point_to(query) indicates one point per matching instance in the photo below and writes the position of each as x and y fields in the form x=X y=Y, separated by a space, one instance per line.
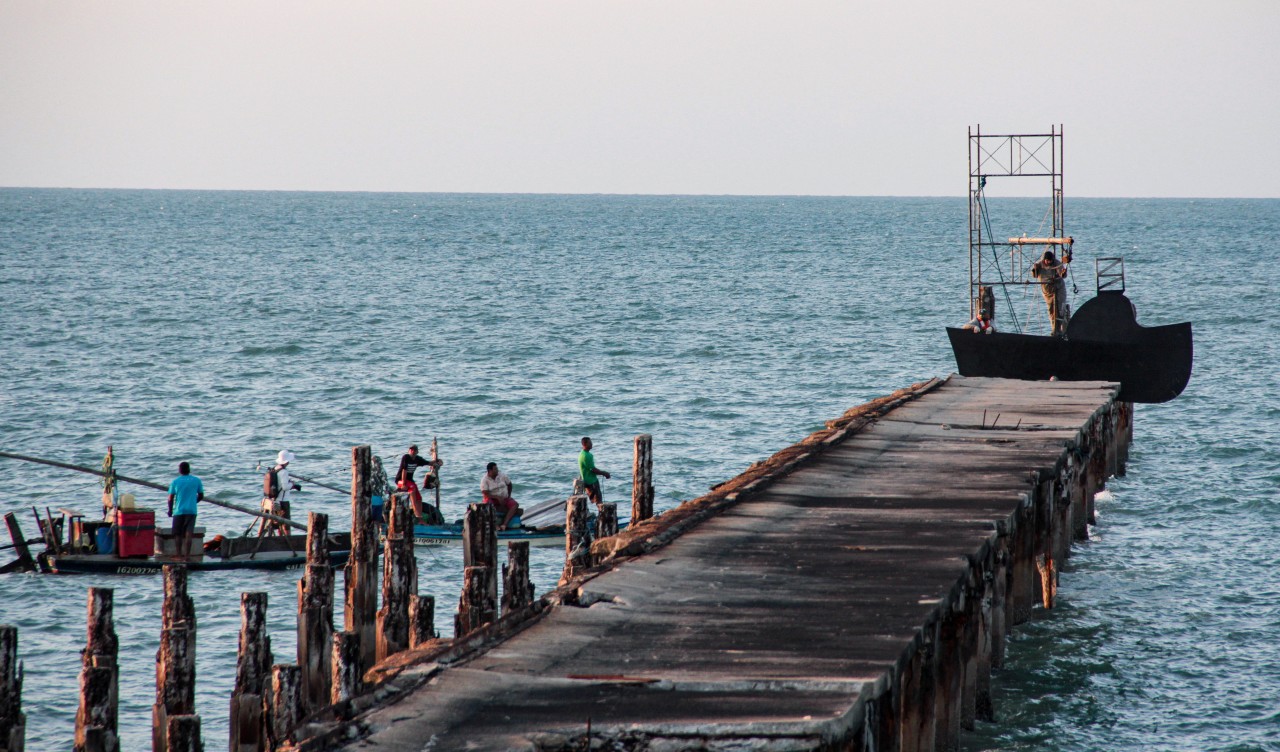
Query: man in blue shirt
x=187 y=491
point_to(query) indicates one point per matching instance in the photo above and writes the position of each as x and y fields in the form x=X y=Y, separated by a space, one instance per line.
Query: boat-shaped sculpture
x=1102 y=341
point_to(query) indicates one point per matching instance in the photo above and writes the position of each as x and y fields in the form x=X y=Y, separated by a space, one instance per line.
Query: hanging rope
x=986 y=226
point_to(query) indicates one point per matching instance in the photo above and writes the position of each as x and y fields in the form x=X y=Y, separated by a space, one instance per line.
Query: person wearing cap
x=495 y=488
x=404 y=477
x=279 y=504
x=185 y=493
x=1051 y=276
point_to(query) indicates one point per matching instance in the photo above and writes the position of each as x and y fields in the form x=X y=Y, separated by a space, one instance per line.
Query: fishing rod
x=149 y=484
x=312 y=481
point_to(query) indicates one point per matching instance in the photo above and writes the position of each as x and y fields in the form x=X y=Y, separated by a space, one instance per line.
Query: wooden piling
x=315 y=615
x=478 y=604
x=176 y=658
x=361 y=584
x=399 y=579
x=282 y=707
x=577 y=539
x=13 y=722
x=184 y=734
x=253 y=672
x=642 y=479
x=347 y=681
x=422 y=619
x=607 y=521
x=99 y=676
x=517 y=590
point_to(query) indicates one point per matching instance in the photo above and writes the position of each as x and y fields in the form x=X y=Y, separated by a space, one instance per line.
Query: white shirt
x=286 y=486
x=495 y=488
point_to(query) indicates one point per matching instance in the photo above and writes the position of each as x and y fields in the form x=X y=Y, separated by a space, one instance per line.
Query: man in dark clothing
x=404 y=477
x=1050 y=274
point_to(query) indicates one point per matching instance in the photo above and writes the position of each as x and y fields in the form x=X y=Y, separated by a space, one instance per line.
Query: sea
x=219 y=328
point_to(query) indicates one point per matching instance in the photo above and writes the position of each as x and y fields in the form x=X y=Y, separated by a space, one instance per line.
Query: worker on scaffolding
x=1052 y=277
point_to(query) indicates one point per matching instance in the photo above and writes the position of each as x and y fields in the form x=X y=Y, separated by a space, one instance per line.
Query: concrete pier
x=852 y=592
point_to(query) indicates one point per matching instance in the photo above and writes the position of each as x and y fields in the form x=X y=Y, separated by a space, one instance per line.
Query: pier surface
x=857 y=599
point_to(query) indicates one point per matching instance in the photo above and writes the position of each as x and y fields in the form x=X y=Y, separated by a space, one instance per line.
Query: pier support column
x=347 y=679
x=399 y=579
x=361 y=580
x=517 y=590
x=577 y=539
x=13 y=722
x=253 y=673
x=315 y=614
x=99 y=676
x=176 y=658
x=642 y=479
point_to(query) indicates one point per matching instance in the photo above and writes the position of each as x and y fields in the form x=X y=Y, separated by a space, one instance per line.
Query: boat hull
x=1103 y=343
x=108 y=564
x=451 y=535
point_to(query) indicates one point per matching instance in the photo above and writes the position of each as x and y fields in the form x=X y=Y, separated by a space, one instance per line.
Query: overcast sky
x=1157 y=98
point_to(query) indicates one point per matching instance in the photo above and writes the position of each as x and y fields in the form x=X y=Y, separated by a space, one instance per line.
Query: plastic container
x=376 y=503
x=136 y=532
x=106 y=540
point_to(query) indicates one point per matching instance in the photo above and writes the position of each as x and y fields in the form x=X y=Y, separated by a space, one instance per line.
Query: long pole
x=149 y=484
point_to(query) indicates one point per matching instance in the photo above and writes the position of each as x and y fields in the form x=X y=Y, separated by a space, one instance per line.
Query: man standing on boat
x=276 y=490
x=404 y=477
x=1051 y=276
x=495 y=487
x=187 y=491
x=588 y=470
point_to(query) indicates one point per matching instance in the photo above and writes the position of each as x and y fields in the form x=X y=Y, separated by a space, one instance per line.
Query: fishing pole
x=312 y=481
x=149 y=484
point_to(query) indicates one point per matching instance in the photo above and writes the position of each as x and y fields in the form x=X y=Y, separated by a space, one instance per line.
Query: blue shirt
x=185 y=490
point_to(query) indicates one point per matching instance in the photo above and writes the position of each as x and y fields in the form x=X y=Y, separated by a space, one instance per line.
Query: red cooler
x=137 y=532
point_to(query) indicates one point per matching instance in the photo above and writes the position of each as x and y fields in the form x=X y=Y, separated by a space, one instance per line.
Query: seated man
x=496 y=489
x=981 y=324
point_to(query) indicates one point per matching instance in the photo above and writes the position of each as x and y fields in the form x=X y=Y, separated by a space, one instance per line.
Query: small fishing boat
x=1103 y=340
x=128 y=541
x=542 y=526
x=272 y=552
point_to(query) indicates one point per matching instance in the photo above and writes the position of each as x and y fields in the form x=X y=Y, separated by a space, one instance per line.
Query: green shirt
x=587 y=467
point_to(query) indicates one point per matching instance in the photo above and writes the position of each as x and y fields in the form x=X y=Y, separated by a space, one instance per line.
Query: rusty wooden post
x=422 y=619
x=476 y=608
x=642 y=479
x=315 y=615
x=577 y=539
x=361 y=583
x=13 y=722
x=517 y=590
x=176 y=658
x=347 y=682
x=184 y=734
x=253 y=671
x=479 y=602
x=282 y=707
x=99 y=682
x=399 y=579
x=607 y=520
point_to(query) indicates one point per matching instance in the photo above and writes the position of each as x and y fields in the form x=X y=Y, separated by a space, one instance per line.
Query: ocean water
x=220 y=327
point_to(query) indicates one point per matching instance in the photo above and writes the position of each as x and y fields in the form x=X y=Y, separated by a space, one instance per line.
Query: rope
x=986 y=225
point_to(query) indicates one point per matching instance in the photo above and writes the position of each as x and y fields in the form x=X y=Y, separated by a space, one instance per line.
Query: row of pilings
x=283 y=706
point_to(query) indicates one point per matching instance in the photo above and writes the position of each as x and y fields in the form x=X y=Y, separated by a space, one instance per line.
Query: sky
x=791 y=97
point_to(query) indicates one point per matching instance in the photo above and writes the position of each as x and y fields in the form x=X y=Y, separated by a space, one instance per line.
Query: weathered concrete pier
x=852 y=592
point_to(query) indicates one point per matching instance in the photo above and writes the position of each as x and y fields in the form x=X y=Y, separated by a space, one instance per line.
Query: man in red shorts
x=495 y=487
x=404 y=478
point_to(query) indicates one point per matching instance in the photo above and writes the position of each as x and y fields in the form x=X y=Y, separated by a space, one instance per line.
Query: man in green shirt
x=587 y=468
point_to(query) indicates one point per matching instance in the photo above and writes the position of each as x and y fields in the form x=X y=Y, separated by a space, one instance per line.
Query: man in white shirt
x=495 y=487
x=276 y=491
